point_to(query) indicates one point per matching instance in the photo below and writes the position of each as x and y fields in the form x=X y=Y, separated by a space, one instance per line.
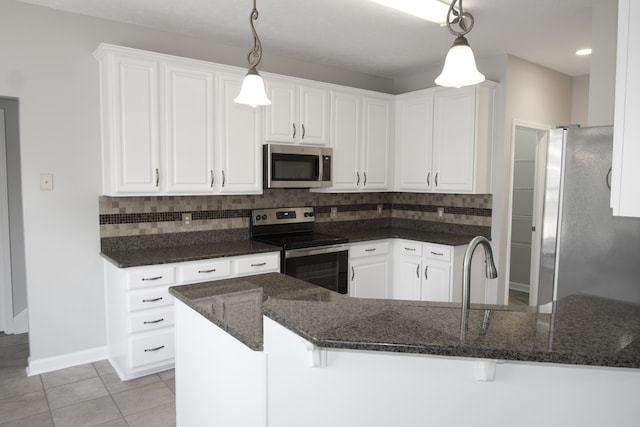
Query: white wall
x=47 y=63
x=603 y=63
x=580 y=101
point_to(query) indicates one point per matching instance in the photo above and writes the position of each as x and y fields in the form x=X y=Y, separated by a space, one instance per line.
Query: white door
x=369 y=277
x=136 y=145
x=415 y=143
x=436 y=283
x=346 y=139
x=407 y=277
x=314 y=116
x=240 y=170
x=6 y=306
x=282 y=114
x=377 y=127
x=454 y=139
x=188 y=129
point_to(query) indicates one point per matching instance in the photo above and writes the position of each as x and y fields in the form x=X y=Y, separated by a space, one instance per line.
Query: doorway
x=529 y=147
x=13 y=284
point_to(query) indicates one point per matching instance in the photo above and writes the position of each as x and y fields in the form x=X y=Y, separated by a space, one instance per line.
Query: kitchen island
x=273 y=350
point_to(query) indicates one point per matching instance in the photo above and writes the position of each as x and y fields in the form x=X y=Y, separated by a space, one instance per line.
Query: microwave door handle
x=318 y=169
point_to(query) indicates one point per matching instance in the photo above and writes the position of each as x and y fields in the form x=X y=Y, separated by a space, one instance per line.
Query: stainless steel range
x=321 y=259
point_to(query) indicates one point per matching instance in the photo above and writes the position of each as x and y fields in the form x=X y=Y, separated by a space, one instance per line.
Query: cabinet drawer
x=152 y=298
x=409 y=248
x=148 y=321
x=257 y=264
x=203 y=271
x=437 y=252
x=374 y=248
x=151 y=348
x=146 y=277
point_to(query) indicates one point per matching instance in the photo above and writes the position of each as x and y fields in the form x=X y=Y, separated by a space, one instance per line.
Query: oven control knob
x=264 y=216
x=257 y=217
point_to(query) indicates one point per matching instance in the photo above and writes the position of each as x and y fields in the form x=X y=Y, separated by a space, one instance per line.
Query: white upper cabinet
x=298 y=114
x=375 y=166
x=626 y=131
x=444 y=140
x=188 y=127
x=346 y=139
x=131 y=147
x=170 y=126
x=240 y=155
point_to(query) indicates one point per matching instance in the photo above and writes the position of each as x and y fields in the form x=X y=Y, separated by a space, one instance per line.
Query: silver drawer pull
x=370 y=250
x=152 y=299
x=151 y=322
x=409 y=249
x=154 y=349
x=260 y=264
x=437 y=253
x=144 y=279
x=206 y=271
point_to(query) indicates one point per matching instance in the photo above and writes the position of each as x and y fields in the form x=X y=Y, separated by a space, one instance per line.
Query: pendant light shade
x=252 y=91
x=460 y=66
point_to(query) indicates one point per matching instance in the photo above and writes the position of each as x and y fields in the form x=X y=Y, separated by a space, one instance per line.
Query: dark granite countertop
x=193 y=252
x=406 y=233
x=582 y=330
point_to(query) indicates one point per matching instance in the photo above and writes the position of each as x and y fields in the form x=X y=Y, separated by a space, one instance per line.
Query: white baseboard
x=19 y=324
x=519 y=287
x=66 y=361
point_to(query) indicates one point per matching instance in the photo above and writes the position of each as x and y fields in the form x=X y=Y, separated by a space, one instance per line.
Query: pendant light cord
x=461 y=18
x=255 y=54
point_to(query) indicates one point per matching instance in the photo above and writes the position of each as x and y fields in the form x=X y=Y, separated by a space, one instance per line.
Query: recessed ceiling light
x=583 y=52
x=431 y=10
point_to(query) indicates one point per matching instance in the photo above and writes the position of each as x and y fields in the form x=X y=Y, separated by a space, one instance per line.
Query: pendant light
x=252 y=91
x=459 y=65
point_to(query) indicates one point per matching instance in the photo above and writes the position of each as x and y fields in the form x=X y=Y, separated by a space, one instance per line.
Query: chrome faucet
x=490 y=267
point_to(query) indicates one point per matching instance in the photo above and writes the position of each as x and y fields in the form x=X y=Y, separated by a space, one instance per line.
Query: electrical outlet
x=186 y=219
x=334 y=212
x=440 y=212
x=379 y=210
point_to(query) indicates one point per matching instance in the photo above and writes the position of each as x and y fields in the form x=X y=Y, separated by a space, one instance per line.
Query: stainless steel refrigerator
x=584 y=248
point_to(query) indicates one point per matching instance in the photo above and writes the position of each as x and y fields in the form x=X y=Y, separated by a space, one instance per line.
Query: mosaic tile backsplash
x=137 y=216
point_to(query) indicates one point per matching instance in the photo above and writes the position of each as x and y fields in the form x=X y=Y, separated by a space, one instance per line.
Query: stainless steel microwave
x=294 y=166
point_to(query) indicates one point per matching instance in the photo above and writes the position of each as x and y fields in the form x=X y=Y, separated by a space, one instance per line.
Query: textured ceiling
x=363 y=36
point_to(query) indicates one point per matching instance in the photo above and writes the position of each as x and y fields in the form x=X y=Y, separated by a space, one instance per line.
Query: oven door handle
x=297 y=253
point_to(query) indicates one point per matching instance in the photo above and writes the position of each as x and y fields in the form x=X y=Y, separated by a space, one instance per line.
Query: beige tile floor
x=86 y=395
x=518 y=298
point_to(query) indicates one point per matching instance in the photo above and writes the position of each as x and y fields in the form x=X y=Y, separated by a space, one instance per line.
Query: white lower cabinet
x=140 y=310
x=370 y=269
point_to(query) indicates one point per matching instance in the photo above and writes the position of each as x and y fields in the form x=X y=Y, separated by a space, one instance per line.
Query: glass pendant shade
x=252 y=91
x=460 y=66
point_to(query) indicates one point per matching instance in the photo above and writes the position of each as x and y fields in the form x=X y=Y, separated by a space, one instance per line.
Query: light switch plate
x=46 y=181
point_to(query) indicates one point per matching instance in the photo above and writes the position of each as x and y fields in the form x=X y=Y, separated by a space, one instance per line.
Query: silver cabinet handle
x=157 y=177
x=428 y=178
x=409 y=249
x=206 y=271
x=224 y=178
x=608 y=178
x=154 y=349
x=353 y=273
x=418 y=271
x=152 y=299
x=365 y=178
x=145 y=279
x=370 y=250
x=260 y=264
x=437 y=253
x=151 y=322
x=358 y=178
x=426 y=272
x=212 y=178
x=436 y=180
x=303 y=131
x=294 y=130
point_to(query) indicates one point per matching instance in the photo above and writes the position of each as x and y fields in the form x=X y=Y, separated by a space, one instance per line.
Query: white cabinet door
x=188 y=128
x=436 y=284
x=281 y=115
x=313 y=116
x=454 y=138
x=240 y=141
x=377 y=144
x=407 y=277
x=346 y=111
x=369 y=277
x=414 y=143
x=626 y=129
x=130 y=94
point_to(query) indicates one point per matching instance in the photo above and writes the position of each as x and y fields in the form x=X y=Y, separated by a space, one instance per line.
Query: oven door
x=324 y=266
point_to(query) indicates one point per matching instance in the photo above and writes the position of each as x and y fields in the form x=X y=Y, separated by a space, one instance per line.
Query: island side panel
x=219 y=380
x=382 y=389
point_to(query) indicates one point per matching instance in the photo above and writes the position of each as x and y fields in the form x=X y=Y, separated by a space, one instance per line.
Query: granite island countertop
x=582 y=330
